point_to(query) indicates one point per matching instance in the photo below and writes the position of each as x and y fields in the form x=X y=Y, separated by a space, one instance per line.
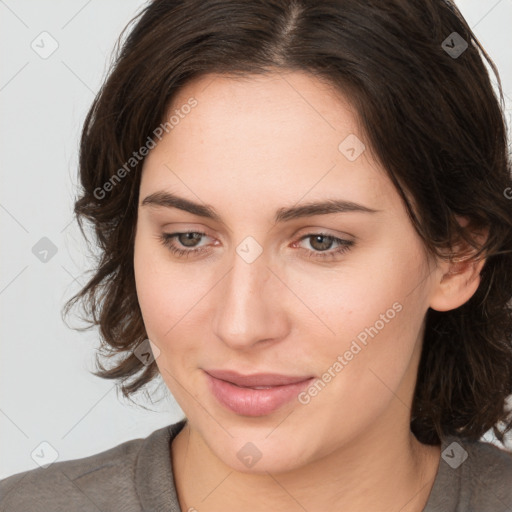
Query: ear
x=458 y=277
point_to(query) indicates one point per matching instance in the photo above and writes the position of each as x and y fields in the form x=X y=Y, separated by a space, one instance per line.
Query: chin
x=259 y=454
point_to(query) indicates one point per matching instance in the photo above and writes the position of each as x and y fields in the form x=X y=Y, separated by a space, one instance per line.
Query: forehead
x=278 y=136
x=294 y=107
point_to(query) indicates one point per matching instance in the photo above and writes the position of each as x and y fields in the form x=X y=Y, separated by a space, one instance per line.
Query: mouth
x=254 y=395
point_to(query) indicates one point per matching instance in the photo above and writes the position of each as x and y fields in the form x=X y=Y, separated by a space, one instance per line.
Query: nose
x=250 y=305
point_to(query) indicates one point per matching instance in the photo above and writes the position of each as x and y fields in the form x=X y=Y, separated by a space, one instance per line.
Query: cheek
x=371 y=294
x=152 y=289
x=162 y=289
x=171 y=298
x=374 y=313
x=161 y=307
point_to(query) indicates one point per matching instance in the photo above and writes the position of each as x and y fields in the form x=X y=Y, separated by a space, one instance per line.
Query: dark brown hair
x=430 y=116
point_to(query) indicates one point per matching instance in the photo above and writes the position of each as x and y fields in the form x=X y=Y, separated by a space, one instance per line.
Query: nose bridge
x=248 y=308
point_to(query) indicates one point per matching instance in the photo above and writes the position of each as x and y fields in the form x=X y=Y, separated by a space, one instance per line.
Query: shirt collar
x=154 y=480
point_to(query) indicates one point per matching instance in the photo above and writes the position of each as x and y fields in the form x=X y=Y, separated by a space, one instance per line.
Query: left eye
x=320 y=243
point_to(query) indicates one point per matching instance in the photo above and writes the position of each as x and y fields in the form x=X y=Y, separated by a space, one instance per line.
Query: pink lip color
x=247 y=401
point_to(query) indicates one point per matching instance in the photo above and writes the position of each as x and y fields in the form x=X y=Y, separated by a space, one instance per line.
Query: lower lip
x=254 y=402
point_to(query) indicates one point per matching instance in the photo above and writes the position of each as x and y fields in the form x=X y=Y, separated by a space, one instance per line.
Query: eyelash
x=344 y=245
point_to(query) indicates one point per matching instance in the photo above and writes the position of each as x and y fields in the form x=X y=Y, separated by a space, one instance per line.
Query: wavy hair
x=427 y=109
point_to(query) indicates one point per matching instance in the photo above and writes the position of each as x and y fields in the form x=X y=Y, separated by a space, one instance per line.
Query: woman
x=304 y=226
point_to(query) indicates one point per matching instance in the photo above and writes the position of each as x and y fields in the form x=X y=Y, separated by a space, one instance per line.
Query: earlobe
x=459 y=280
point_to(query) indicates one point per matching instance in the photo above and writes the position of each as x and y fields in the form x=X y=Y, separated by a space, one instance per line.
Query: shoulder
x=472 y=475
x=487 y=475
x=104 y=481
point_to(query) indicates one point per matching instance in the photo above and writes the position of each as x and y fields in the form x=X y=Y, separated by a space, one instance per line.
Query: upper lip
x=256 y=379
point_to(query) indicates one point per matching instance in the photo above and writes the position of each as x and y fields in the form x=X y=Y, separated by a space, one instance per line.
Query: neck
x=381 y=470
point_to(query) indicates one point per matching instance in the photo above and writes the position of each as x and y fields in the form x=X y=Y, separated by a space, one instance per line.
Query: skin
x=250 y=147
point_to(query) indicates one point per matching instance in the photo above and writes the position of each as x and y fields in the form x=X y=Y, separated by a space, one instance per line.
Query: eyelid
x=317 y=230
x=185 y=227
x=344 y=245
x=173 y=229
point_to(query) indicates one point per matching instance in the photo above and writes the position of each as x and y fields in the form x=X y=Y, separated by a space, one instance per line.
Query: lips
x=259 y=380
x=254 y=395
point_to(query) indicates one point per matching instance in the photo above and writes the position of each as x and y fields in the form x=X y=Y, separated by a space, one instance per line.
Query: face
x=259 y=278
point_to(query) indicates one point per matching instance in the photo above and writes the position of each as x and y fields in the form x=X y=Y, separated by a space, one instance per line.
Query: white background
x=46 y=390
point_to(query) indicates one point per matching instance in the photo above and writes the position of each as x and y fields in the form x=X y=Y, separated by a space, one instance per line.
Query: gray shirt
x=137 y=476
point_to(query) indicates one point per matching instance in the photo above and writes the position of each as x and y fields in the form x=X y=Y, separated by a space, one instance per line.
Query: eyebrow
x=326 y=207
